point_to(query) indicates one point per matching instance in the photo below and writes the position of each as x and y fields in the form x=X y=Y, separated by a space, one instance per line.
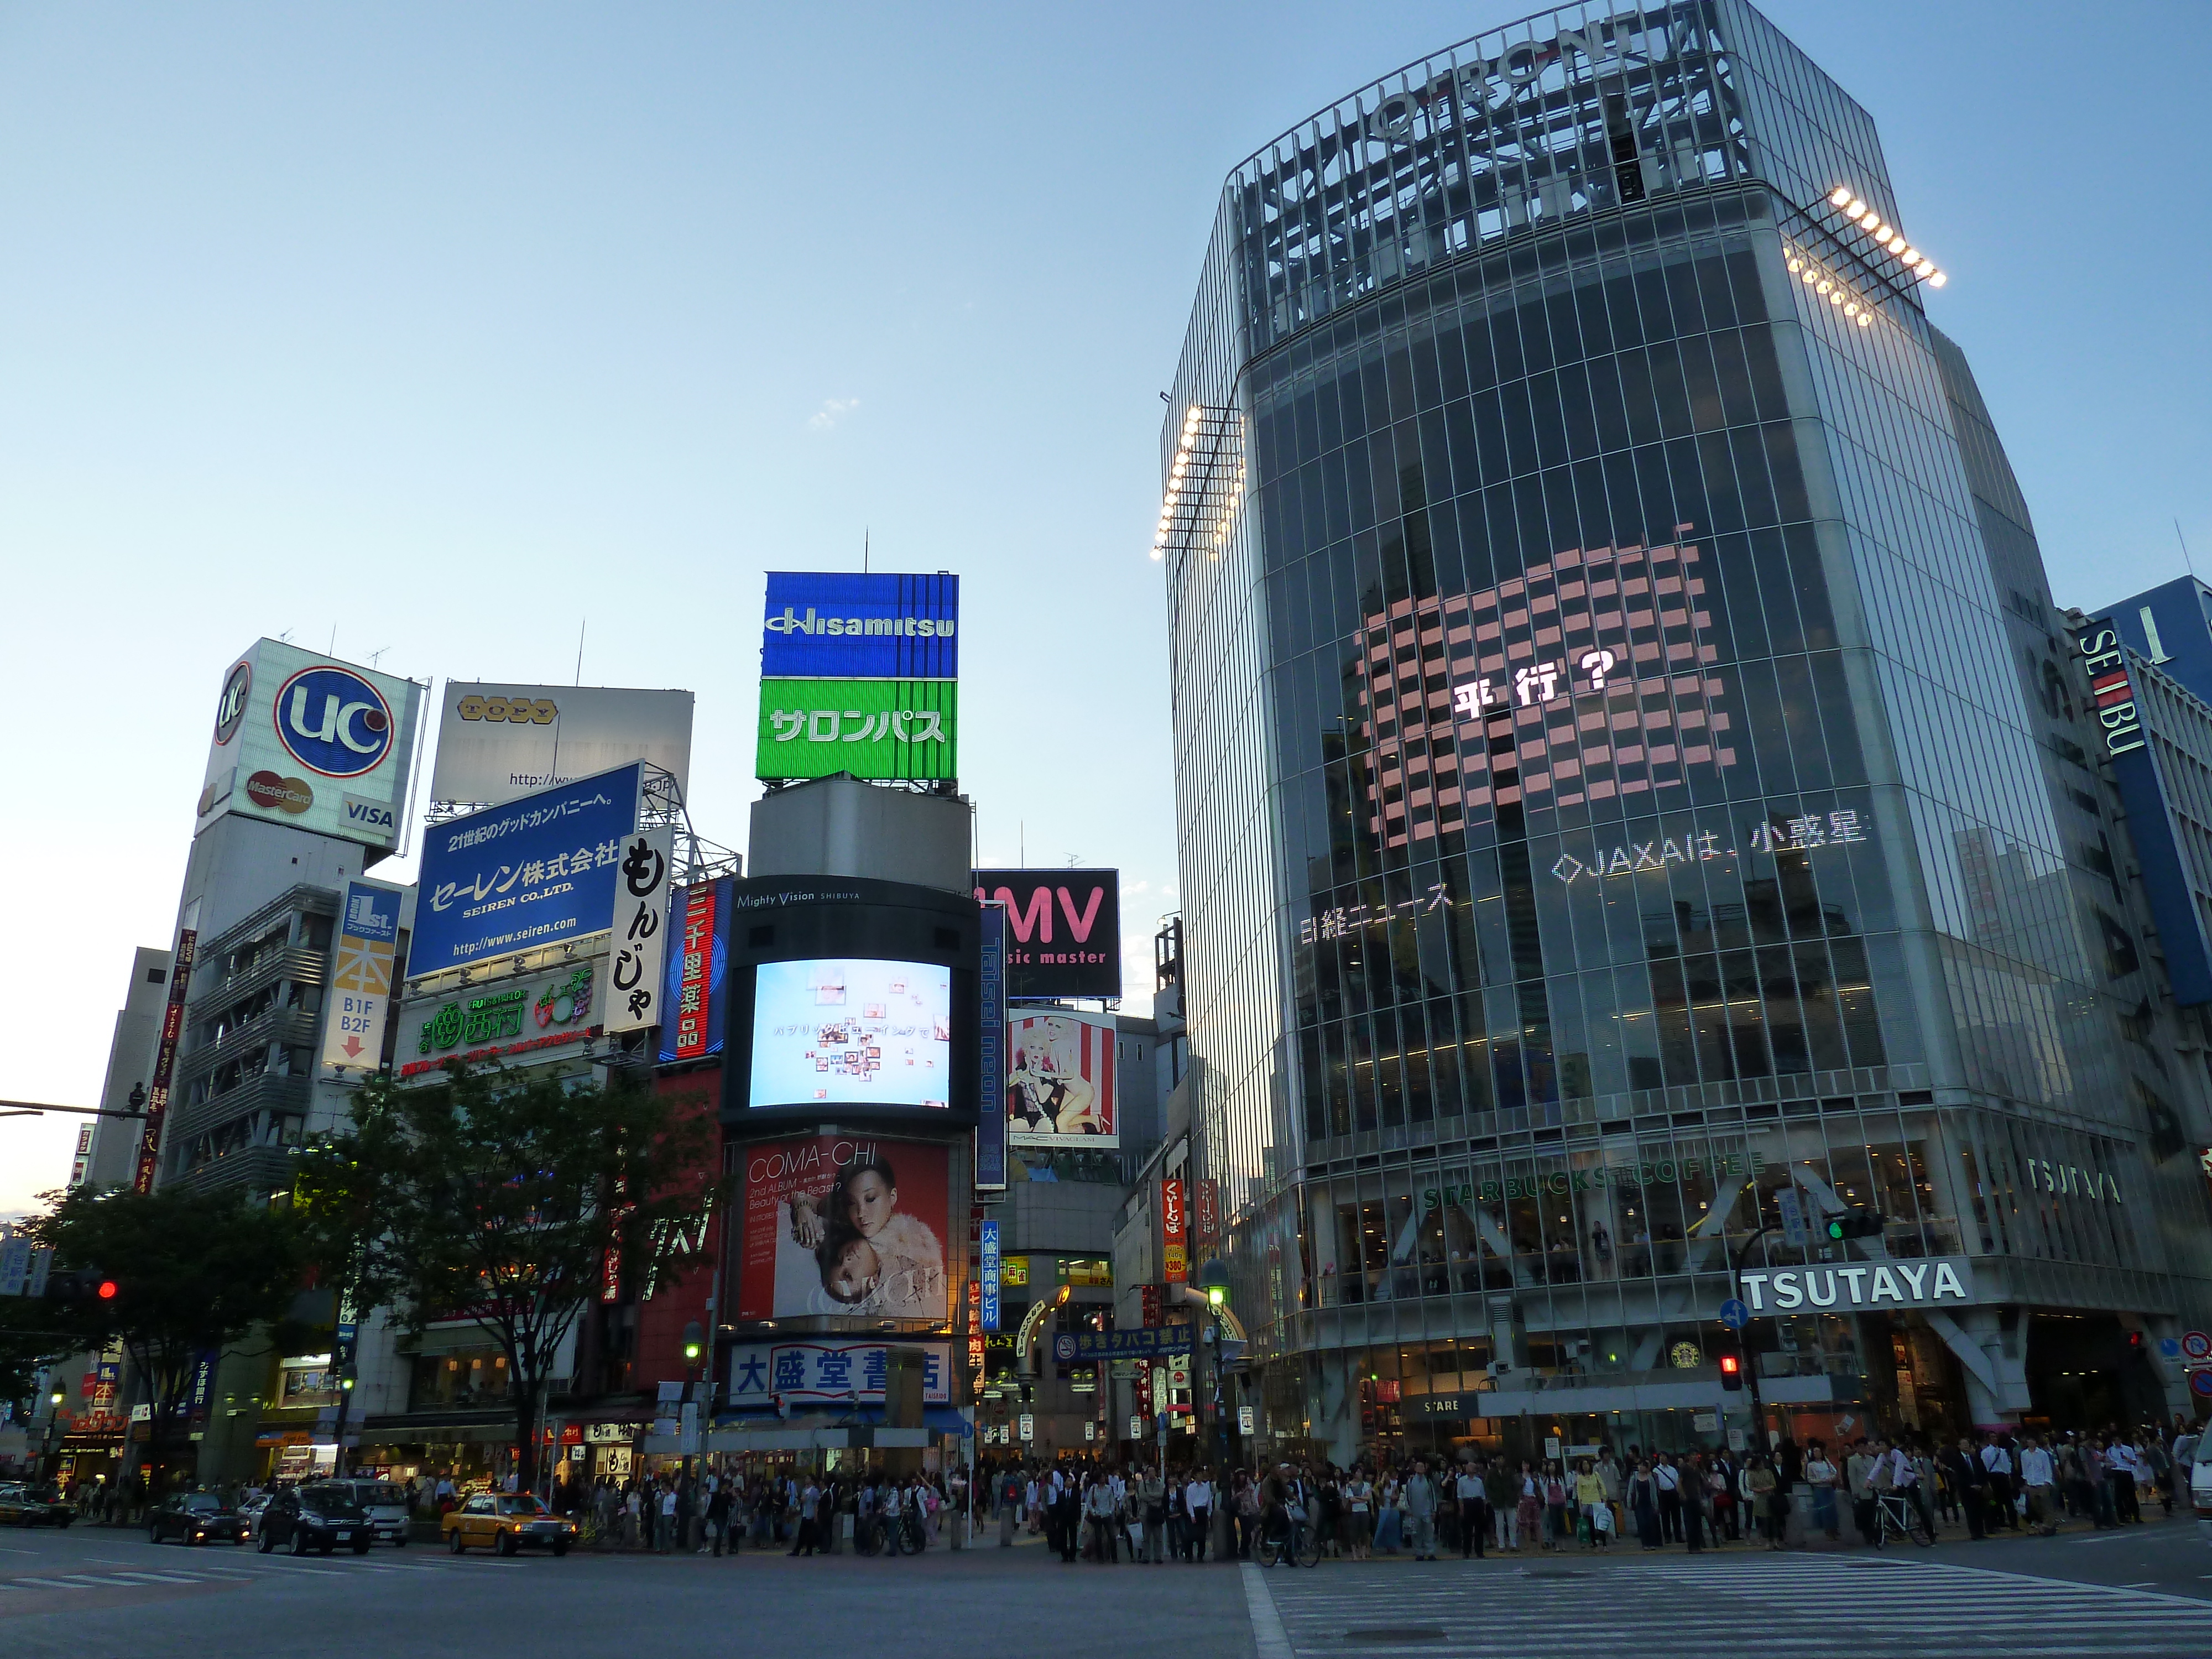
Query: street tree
x=193 y=1273
x=344 y=1192
x=508 y=1199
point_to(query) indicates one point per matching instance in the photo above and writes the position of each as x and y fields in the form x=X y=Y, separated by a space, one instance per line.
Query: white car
x=386 y=1505
x=2193 y=1454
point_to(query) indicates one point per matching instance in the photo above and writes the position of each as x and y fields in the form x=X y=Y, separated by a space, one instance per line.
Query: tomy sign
x=823 y=625
x=539 y=870
x=499 y=743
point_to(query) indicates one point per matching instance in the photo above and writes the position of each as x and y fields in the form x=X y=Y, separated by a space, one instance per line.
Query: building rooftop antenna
x=2184 y=540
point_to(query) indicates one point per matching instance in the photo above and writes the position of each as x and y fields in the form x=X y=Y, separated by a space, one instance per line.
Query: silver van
x=385 y=1504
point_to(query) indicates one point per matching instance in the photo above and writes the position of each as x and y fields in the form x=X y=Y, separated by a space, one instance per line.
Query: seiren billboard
x=302 y=740
x=1063 y=932
x=539 y=870
x=499 y=743
x=848 y=1226
x=1059 y=1088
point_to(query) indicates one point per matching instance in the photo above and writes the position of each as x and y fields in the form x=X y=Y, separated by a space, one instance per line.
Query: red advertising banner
x=1148 y=1305
x=1174 y=1255
x=165 y=1061
x=1060 y=1087
x=697 y=977
x=1206 y=1211
x=844 y=1225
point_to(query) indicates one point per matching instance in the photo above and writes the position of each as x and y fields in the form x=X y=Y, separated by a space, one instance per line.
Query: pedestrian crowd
x=1099 y=1510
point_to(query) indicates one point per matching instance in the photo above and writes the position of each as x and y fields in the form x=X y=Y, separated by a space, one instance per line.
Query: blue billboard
x=538 y=871
x=825 y=626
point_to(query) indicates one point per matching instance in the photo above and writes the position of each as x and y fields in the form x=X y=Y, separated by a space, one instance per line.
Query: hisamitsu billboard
x=539 y=870
x=822 y=625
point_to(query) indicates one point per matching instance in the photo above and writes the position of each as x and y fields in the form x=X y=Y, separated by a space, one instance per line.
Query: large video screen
x=851 y=1031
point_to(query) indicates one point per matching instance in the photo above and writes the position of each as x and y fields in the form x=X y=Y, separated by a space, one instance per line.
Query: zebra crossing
x=238 y=1572
x=1792 y=1607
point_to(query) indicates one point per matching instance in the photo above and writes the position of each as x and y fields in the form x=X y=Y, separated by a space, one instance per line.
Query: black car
x=25 y=1505
x=197 y=1518
x=316 y=1516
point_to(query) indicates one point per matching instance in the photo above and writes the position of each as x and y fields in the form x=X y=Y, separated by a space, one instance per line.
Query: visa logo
x=381 y=817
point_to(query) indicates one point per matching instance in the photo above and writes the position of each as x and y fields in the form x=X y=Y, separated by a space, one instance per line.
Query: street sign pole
x=1736 y=1258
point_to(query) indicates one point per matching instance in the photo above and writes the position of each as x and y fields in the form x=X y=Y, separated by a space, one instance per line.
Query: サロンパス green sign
x=876 y=729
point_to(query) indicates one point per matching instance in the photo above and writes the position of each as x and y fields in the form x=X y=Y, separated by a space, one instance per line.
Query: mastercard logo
x=266 y=790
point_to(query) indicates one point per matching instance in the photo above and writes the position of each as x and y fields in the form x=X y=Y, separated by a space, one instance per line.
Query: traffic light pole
x=1736 y=1258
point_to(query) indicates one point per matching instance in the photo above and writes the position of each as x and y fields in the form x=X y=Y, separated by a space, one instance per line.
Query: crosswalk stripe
x=1497 y=1615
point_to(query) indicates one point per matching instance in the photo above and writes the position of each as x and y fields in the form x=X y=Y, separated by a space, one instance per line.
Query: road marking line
x=1269 y=1639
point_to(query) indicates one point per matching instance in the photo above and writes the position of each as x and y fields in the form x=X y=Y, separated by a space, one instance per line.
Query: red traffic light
x=107 y=1288
x=1730 y=1364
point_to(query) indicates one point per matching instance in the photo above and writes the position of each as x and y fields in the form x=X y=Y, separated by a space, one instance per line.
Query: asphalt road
x=105 y=1593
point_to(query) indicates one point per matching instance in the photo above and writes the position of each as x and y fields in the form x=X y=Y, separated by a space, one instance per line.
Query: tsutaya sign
x=1941 y=1281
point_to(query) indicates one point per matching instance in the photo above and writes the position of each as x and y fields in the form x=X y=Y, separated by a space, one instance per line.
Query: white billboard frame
x=488 y=756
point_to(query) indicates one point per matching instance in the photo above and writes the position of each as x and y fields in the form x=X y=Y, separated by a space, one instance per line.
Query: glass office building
x=1622 y=800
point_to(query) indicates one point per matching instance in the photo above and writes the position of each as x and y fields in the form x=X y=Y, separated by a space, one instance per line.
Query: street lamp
x=53 y=1421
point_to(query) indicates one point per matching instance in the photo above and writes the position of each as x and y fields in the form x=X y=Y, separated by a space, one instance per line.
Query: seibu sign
x=1941 y=1281
x=2111 y=692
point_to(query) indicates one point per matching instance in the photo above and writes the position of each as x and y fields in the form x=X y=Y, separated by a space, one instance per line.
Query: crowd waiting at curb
x=1096 y=1509
x=1471 y=1505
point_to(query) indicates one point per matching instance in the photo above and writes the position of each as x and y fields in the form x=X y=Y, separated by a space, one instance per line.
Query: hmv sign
x=1063 y=932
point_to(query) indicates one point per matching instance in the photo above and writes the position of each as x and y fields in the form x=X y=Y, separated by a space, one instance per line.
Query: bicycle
x=1896 y=1512
x=1292 y=1540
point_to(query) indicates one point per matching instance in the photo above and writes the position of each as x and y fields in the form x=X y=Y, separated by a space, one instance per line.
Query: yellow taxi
x=506 y=1521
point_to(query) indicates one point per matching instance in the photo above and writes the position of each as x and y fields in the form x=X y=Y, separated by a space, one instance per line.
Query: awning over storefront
x=820 y=1430
x=389 y=1431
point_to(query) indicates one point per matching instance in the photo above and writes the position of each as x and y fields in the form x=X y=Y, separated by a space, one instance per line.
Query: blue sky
x=445 y=327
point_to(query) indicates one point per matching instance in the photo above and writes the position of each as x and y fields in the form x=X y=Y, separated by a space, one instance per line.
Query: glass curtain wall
x=1598 y=744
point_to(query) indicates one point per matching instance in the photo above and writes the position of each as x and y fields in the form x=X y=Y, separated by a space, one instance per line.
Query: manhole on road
x=1394 y=1635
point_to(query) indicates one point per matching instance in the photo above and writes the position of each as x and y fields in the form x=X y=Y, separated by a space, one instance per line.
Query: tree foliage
x=505 y=1200
x=195 y=1273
